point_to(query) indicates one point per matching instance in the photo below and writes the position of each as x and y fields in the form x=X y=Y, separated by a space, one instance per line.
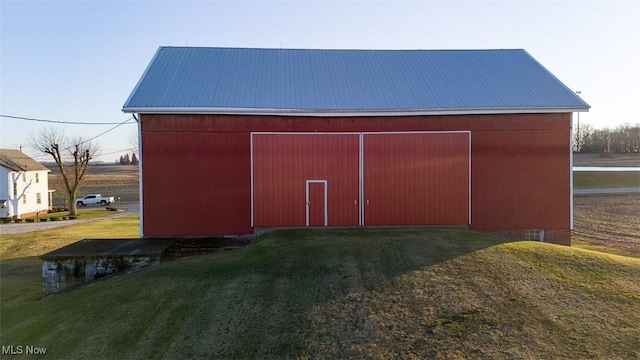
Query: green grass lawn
x=364 y=293
x=21 y=268
x=37 y=243
x=605 y=179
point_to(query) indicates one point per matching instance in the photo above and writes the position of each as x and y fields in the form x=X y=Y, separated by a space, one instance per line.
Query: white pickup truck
x=94 y=199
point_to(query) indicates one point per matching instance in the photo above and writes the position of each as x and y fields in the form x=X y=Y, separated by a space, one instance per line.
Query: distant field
x=119 y=181
x=605 y=179
x=602 y=179
x=606 y=160
x=609 y=221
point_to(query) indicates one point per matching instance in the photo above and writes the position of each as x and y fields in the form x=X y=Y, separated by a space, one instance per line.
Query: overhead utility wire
x=102 y=133
x=58 y=121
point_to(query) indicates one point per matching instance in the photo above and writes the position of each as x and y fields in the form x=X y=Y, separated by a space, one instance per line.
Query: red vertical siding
x=520 y=169
x=196 y=184
x=521 y=180
x=416 y=179
x=283 y=163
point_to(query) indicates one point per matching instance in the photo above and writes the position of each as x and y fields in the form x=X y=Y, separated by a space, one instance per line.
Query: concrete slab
x=100 y=248
x=90 y=259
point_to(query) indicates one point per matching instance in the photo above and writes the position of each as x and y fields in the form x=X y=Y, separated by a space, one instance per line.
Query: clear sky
x=78 y=61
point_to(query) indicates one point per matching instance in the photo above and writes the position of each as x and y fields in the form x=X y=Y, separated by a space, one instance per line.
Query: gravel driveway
x=13 y=228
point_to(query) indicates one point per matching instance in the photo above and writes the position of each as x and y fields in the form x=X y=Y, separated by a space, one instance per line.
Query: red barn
x=236 y=139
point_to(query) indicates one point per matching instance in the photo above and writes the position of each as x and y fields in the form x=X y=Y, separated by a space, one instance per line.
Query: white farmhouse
x=24 y=185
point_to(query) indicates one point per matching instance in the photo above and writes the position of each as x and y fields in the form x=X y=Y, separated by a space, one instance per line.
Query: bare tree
x=71 y=155
x=623 y=139
x=582 y=136
x=132 y=140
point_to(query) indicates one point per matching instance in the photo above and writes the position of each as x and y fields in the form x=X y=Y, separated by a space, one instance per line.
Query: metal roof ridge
x=329 y=49
x=362 y=113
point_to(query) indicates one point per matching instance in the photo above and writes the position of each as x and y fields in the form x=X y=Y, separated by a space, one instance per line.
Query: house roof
x=16 y=160
x=356 y=82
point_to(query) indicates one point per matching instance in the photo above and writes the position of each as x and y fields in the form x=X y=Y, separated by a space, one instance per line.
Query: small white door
x=316 y=206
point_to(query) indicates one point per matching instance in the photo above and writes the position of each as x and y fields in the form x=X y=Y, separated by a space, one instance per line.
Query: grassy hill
x=365 y=293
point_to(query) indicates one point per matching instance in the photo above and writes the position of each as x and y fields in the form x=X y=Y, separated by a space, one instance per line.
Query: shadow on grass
x=274 y=291
x=272 y=298
x=21 y=280
x=391 y=251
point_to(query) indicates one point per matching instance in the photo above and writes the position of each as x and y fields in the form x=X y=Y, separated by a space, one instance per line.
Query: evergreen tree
x=134 y=159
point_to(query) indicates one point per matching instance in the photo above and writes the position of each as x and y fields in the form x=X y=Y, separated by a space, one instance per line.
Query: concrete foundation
x=91 y=259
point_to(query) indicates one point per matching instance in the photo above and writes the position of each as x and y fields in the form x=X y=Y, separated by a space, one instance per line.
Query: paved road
x=13 y=228
x=605 y=191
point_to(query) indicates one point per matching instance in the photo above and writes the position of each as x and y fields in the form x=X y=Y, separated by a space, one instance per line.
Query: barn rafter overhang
x=362 y=113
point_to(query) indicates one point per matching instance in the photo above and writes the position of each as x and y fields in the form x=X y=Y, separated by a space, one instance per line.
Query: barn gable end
x=272 y=137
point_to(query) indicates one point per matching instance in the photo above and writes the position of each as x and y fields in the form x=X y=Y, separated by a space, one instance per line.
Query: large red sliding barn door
x=284 y=169
x=365 y=178
x=416 y=178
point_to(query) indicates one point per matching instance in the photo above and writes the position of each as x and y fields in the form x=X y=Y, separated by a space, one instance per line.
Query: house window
x=24 y=198
x=37 y=179
x=38 y=198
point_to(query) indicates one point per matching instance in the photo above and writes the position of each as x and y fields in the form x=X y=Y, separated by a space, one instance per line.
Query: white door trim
x=362 y=180
x=308 y=204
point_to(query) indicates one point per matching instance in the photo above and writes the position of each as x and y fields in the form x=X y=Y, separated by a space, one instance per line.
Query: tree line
x=623 y=139
x=125 y=160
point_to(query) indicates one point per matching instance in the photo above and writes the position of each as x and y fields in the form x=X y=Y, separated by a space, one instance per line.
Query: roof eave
x=339 y=113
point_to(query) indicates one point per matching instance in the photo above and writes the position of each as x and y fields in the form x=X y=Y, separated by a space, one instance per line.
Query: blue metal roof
x=238 y=80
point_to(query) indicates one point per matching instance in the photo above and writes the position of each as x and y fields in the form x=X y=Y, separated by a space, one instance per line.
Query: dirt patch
x=608 y=220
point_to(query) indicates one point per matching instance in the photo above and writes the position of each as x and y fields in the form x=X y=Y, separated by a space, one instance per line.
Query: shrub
x=30 y=220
